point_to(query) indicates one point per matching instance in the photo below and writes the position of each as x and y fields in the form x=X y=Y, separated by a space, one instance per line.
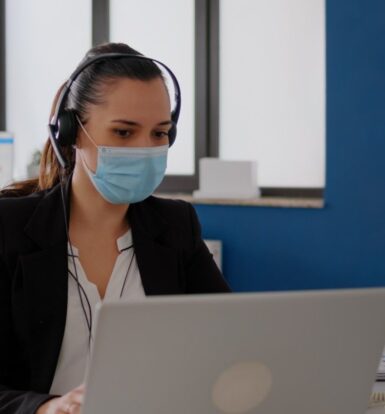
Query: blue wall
x=342 y=245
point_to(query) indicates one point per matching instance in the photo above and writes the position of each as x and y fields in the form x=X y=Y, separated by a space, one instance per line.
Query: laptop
x=308 y=352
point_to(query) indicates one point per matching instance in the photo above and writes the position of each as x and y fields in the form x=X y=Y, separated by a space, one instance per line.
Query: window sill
x=283 y=202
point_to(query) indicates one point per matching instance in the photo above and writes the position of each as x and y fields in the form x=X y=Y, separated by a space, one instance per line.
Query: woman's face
x=133 y=113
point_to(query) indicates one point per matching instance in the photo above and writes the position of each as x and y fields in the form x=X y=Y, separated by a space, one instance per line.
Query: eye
x=123 y=133
x=161 y=134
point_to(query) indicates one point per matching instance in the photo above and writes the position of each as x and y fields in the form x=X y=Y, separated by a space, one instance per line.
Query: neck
x=90 y=211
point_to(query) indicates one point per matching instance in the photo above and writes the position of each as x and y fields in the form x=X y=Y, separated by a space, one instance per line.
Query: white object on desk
x=215 y=247
x=6 y=158
x=227 y=179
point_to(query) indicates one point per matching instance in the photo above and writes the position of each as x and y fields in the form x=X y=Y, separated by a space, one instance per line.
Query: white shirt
x=125 y=283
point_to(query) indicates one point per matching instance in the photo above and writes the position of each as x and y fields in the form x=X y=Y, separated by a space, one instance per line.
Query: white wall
x=272 y=78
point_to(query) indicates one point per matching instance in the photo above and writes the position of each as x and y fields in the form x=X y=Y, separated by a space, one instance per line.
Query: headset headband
x=63 y=95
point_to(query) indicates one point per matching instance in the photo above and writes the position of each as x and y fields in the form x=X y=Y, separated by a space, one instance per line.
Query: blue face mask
x=126 y=175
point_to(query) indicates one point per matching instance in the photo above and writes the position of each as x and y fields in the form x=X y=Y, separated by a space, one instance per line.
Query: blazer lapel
x=45 y=278
x=157 y=261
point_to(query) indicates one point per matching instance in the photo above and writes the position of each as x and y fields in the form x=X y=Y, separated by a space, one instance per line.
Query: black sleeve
x=203 y=275
x=20 y=402
x=12 y=401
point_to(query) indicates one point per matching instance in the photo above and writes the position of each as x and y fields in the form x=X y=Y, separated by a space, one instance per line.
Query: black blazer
x=171 y=256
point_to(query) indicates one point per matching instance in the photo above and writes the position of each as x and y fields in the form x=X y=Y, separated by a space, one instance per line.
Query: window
x=252 y=75
x=45 y=41
x=272 y=89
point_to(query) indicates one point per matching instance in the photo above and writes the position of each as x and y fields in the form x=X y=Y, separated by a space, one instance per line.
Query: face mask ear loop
x=85 y=131
x=80 y=150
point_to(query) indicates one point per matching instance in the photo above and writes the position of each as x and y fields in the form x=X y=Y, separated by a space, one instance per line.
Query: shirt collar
x=124 y=242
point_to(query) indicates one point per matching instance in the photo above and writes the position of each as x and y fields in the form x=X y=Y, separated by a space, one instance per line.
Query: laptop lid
x=310 y=352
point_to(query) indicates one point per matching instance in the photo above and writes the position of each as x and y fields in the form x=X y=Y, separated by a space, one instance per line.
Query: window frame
x=100 y=21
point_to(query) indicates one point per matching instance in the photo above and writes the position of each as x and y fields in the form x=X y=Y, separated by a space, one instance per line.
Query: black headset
x=63 y=126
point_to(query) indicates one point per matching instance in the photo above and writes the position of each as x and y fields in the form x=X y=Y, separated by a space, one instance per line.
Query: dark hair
x=87 y=89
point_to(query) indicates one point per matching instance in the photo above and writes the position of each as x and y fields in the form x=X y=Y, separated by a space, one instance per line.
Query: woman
x=99 y=234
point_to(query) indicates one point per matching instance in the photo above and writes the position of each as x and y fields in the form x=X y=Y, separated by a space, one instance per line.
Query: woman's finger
x=72 y=402
x=76 y=397
x=74 y=408
x=71 y=408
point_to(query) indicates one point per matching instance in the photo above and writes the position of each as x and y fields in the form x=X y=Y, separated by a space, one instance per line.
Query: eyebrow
x=133 y=123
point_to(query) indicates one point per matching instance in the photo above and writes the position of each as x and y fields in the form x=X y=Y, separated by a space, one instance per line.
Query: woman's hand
x=70 y=403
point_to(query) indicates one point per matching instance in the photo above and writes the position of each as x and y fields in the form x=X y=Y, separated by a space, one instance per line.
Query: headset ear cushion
x=67 y=128
x=172 y=134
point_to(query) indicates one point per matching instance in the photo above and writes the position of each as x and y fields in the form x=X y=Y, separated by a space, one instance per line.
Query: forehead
x=135 y=97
